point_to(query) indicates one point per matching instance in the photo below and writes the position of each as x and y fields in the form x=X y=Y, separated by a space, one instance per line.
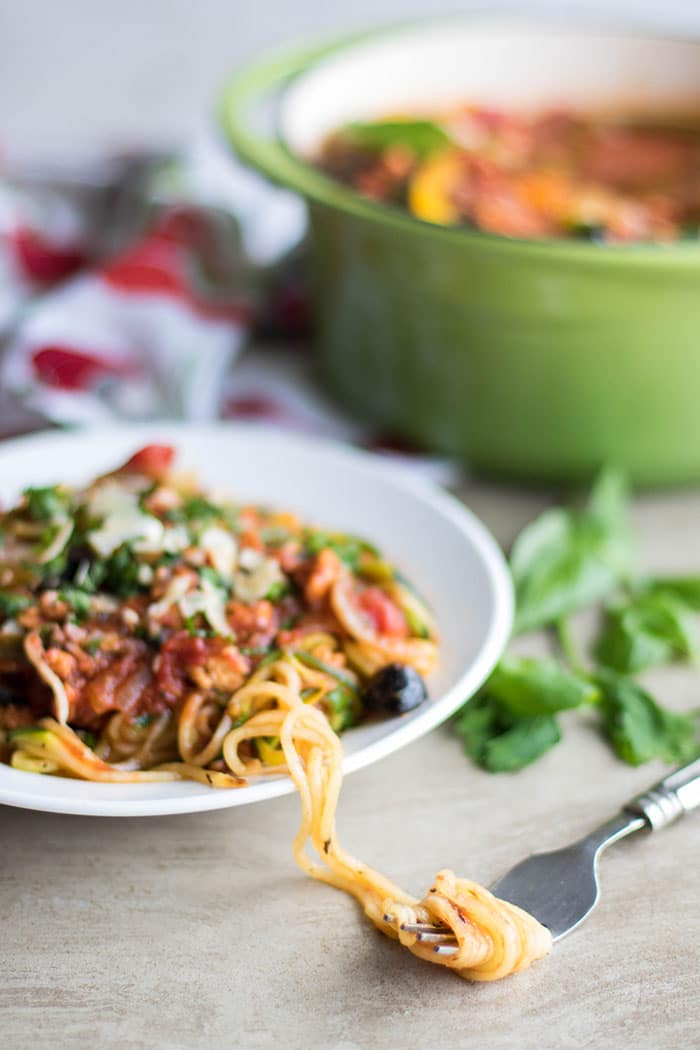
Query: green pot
x=535 y=360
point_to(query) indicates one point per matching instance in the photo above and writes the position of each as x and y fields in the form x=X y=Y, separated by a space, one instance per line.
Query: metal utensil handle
x=670 y=799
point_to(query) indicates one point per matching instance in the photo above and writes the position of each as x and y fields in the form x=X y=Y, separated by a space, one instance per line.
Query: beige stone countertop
x=199 y=932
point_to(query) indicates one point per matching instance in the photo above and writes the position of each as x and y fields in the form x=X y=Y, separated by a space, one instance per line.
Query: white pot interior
x=518 y=65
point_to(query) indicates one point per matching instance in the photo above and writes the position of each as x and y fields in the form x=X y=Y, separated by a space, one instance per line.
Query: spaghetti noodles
x=157 y=646
x=131 y=612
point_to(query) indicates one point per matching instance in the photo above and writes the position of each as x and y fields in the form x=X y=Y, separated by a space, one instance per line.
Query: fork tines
x=427 y=932
x=442 y=937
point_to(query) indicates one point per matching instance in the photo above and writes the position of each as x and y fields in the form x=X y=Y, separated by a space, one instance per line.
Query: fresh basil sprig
x=569 y=558
x=511 y=723
x=564 y=561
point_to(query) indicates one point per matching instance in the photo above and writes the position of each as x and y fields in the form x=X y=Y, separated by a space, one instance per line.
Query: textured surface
x=198 y=931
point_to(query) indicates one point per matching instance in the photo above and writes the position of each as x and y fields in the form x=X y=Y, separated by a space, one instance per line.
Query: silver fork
x=561 y=888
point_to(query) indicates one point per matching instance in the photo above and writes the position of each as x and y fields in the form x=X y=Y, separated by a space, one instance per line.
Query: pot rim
x=269 y=80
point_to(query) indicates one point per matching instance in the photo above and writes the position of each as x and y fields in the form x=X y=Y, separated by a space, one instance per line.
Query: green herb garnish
x=79 y=601
x=422 y=137
x=348 y=548
x=47 y=503
x=195 y=509
x=653 y=628
x=11 y=605
x=527 y=687
x=567 y=559
x=639 y=728
x=502 y=742
x=280 y=589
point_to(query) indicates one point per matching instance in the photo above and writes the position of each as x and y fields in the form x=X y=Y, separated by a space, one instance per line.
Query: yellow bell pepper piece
x=430 y=189
x=271 y=754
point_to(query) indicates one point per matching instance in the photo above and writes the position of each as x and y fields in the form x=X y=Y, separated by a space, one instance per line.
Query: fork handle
x=670 y=799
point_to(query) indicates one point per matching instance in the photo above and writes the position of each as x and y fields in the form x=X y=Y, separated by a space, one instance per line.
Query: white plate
x=431 y=537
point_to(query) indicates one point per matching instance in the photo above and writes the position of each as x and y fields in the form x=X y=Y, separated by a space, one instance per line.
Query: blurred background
x=84 y=69
x=145 y=274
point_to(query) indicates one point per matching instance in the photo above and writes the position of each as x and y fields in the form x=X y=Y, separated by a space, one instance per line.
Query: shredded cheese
x=221 y=550
x=209 y=601
x=206 y=599
x=63 y=534
x=257 y=575
x=123 y=521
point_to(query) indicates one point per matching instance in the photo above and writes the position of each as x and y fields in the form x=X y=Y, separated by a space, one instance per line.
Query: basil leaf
x=47 y=503
x=651 y=629
x=79 y=601
x=567 y=559
x=280 y=589
x=528 y=687
x=521 y=745
x=639 y=729
x=607 y=503
x=197 y=508
x=118 y=574
x=12 y=605
x=420 y=136
x=501 y=742
x=686 y=588
x=214 y=578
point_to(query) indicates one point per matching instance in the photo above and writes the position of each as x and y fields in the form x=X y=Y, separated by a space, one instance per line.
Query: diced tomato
x=179 y=655
x=153 y=460
x=385 y=615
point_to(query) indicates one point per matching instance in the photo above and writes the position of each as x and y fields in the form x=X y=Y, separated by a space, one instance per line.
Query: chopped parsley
x=280 y=589
x=274 y=535
x=47 y=503
x=79 y=601
x=348 y=548
x=121 y=572
x=213 y=577
x=11 y=605
x=199 y=509
x=142 y=721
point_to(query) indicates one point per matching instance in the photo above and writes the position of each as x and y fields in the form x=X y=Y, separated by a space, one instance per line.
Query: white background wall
x=83 y=70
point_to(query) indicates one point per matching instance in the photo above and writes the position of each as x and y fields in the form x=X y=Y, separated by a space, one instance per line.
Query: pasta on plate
x=151 y=631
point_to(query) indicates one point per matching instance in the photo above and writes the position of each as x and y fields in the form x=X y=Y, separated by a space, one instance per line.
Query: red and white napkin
x=130 y=286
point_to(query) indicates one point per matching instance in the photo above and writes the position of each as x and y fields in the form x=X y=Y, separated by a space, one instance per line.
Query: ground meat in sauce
x=140 y=636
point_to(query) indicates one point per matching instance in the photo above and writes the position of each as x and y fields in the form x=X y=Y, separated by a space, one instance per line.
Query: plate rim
x=438 y=499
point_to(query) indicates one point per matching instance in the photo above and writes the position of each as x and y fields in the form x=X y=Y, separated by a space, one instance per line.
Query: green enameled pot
x=537 y=360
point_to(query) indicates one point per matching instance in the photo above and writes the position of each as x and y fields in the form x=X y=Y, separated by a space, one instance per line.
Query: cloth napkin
x=150 y=285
